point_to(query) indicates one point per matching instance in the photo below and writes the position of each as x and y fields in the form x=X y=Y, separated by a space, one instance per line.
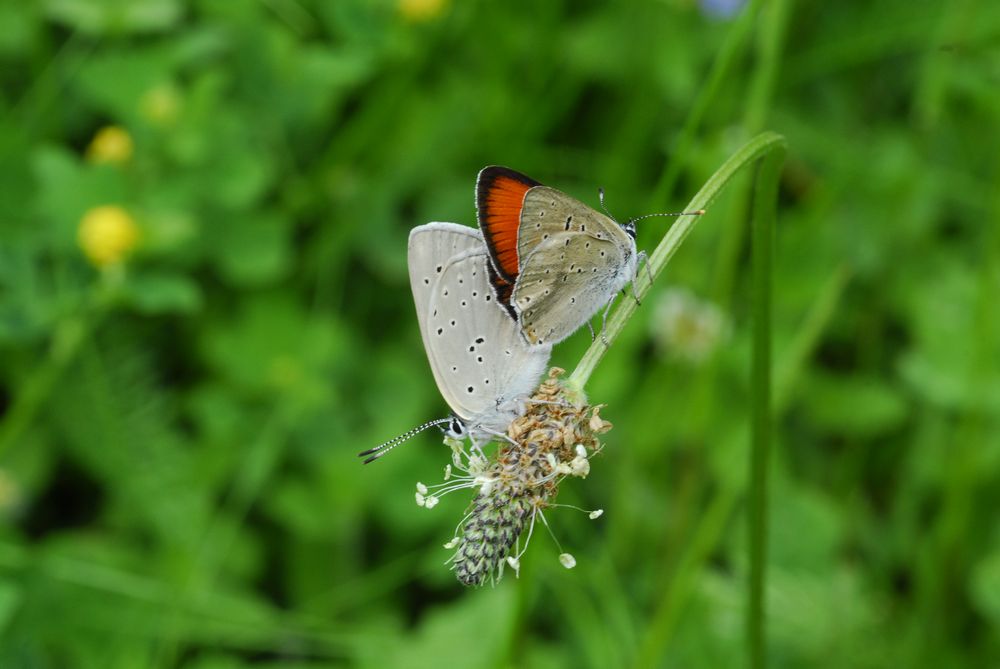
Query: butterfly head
x=456 y=429
x=628 y=226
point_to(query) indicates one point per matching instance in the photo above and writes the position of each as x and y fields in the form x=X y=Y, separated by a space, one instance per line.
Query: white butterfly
x=482 y=366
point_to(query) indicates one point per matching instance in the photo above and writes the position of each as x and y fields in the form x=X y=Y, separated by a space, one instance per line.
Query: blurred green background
x=205 y=315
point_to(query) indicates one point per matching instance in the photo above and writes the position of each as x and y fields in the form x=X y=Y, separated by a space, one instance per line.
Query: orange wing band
x=502 y=290
x=499 y=197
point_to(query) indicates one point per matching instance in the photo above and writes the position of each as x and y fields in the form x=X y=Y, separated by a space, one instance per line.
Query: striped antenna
x=600 y=196
x=629 y=225
x=380 y=450
x=697 y=212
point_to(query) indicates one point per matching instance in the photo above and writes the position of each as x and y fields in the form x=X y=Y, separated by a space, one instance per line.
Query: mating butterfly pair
x=491 y=304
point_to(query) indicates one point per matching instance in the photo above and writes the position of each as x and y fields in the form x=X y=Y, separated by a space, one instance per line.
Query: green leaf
x=112 y=17
x=152 y=292
x=455 y=634
x=853 y=405
x=274 y=346
x=10 y=598
x=253 y=249
x=68 y=188
x=134 y=72
x=984 y=586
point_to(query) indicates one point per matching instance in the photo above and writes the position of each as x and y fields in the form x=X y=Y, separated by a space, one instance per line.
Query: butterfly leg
x=643 y=261
x=635 y=296
x=604 y=321
x=498 y=435
x=591 y=328
x=559 y=403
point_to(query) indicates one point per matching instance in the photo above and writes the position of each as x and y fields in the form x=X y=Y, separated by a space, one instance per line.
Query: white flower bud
x=515 y=564
x=551 y=459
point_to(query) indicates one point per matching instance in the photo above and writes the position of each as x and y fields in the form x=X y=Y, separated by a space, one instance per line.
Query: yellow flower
x=161 y=105
x=10 y=492
x=107 y=234
x=418 y=11
x=112 y=144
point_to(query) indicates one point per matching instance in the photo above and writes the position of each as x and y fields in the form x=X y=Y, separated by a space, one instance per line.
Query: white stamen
x=431 y=502
x=486 y=486
x=567 y=560
x=420 y=499
x=594 y=515
x=551 y=459
x=421 y=488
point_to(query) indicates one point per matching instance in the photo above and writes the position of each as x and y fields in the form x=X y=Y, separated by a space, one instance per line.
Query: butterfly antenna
x=697 y=212
x=380 y=450
x=600 y=196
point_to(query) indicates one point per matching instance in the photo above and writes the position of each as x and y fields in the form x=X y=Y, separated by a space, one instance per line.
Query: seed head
x=555 y=438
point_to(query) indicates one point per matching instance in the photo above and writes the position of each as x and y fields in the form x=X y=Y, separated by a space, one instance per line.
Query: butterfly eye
x=456 y=428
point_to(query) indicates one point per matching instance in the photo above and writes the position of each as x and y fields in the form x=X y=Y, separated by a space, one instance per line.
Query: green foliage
x=178 y=480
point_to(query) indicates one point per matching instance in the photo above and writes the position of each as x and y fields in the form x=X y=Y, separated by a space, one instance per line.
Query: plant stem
x=766 y=143
x=769 y=149
x=730 y=53
x=764 y=209
x=67 y=338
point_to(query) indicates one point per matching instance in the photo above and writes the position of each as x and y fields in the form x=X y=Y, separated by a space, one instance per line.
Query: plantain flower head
x=554 y=439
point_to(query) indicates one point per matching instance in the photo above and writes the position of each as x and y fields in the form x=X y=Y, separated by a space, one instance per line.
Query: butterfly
x=483 y=368
x=554 y=261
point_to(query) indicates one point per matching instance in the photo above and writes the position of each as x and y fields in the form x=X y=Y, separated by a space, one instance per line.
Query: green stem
x=768 y=149
x=764 y=144
x=729 y=55
x=714 y=519
x=68 y=336
x=764 y=210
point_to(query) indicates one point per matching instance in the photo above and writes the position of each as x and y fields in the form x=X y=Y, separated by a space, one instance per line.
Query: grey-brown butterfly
x=554 y=261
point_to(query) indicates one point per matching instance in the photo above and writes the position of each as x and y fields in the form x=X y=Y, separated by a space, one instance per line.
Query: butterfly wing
x=476 y=353
x=547 y=212
x=500 y=193
x=565 y=281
